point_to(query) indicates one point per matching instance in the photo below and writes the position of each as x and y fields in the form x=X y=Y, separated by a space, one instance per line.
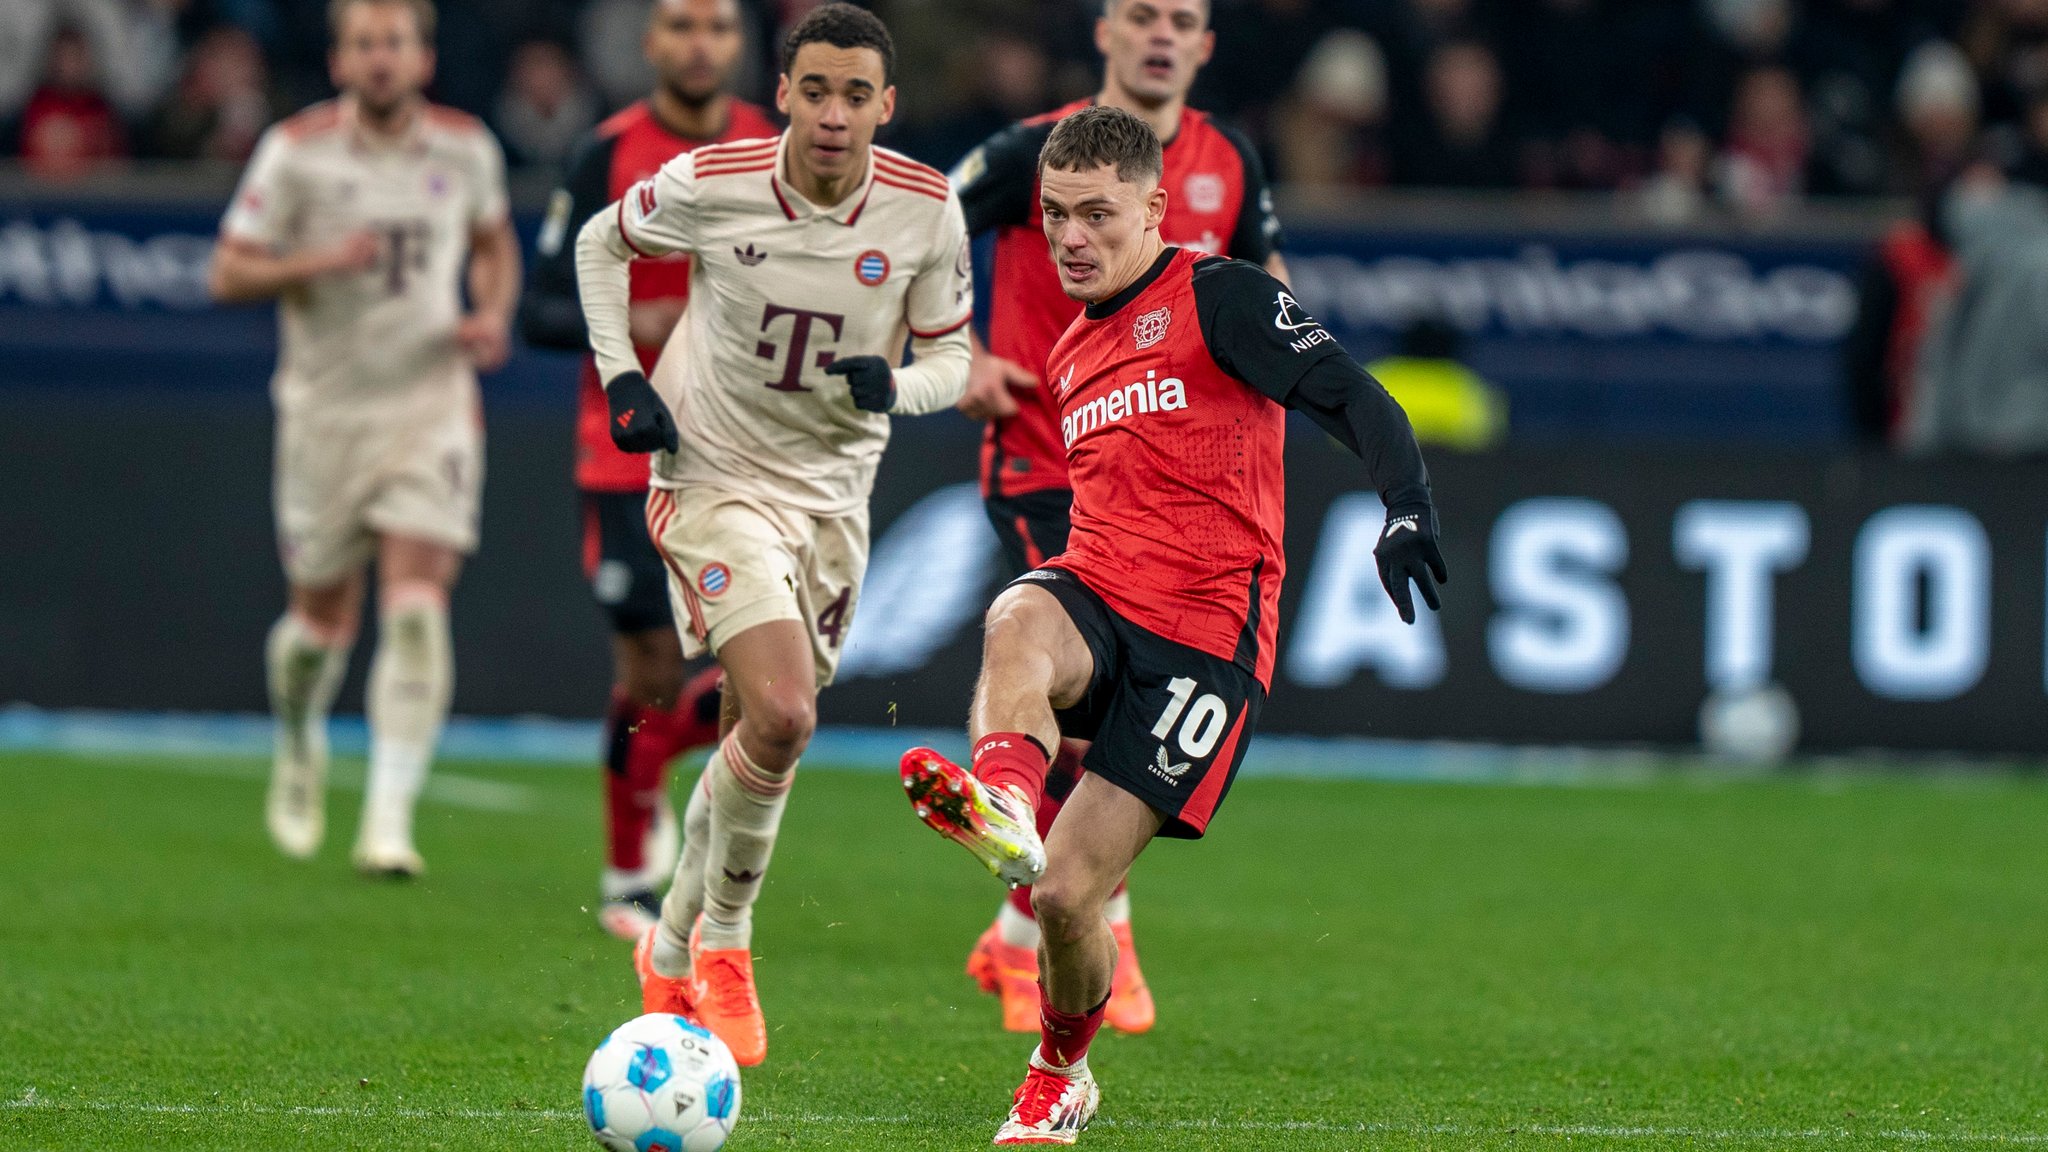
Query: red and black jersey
x=1170 y=408
x=1217 y=202
x=624 y=150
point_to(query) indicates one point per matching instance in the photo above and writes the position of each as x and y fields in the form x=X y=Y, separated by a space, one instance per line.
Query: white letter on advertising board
x=1740 y=544
x=1563 y=625
x=1922 y=623
x=1347 y=622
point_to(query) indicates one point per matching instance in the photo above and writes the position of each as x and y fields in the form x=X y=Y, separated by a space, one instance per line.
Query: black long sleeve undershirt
x=1257 y=333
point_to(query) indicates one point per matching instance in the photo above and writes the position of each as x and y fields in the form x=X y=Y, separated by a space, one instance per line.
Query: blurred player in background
x=361 y=216
x=1217 y=202
x=655 y=716
x=1153 y=635
x=816 y=257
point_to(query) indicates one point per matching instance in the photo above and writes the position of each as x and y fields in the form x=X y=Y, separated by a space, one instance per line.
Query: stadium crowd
x=1752 y=103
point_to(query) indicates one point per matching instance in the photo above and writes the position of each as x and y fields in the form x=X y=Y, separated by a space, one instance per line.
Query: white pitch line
x=34 y=1101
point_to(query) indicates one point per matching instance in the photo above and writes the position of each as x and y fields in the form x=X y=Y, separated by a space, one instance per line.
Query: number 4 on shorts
x=1203 y=725
x=832 y=621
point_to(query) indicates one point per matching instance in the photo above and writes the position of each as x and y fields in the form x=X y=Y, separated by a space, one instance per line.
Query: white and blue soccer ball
x=661 y=1084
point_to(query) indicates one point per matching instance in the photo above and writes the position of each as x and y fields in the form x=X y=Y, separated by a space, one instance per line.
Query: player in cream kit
x=815 y=257
x=362 y=216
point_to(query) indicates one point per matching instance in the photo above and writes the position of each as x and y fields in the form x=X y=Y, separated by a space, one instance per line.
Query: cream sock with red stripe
x=746 y=811
x=685 y=897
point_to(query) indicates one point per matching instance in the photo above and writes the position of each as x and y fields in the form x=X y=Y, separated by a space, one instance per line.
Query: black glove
x=872 y=383
x=1407 y=551
x=640 y=421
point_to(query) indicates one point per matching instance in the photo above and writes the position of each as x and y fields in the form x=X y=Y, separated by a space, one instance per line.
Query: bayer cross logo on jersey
x=1150 y=328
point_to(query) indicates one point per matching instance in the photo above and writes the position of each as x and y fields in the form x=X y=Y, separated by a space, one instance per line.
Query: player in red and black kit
x=1218 y=202
x=1153 y=634
x=693 y=46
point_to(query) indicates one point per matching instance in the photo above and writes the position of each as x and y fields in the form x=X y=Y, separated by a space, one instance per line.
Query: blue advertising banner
x=1635 y=336
x=1671 y=337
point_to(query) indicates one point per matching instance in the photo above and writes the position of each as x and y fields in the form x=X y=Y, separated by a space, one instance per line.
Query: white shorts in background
x=341 y=482
x=736 y=561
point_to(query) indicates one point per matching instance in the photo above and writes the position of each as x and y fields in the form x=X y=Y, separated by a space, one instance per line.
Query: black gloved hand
x=869 y=377
x=640 y=421
x=1407 y=551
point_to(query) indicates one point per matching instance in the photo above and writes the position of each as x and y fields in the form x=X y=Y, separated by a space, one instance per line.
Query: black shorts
x=625 y=571
x=1169 y=723
x=1033 y=527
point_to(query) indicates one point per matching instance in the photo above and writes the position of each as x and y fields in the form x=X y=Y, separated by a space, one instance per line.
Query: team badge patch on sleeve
x=872 y=268
x=713 y=579
x=1150 y=328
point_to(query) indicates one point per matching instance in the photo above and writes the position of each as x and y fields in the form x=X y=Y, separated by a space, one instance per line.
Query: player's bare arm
x=246 y=272
x=989 y=380
x=486 y=332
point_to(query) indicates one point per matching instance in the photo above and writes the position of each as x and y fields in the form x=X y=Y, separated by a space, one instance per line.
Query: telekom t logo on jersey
x=801 y=322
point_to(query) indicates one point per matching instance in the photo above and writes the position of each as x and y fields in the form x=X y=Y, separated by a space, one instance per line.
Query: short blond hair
x=423 y=15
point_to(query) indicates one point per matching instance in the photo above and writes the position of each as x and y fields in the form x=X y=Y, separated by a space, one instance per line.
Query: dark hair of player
x=422 y=15
x=1099 y=135
x=842 y=26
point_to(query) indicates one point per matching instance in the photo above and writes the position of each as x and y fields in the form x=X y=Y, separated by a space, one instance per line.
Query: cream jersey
x=380 y=341
x=781 y=288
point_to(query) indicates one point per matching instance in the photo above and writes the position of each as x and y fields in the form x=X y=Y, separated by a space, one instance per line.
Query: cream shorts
x=735 y=561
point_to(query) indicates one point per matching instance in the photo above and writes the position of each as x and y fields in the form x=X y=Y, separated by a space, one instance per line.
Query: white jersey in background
x=381 y=339
x=781 y=288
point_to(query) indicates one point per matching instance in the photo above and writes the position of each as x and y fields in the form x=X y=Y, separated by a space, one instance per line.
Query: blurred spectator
x=1762 y=166
x=1677 y=192
x=1004 y=75
x=2007 y=43
x=1330 y=130
x=1448 y=403
x=611 y=32
x=1564 y=53
x=545 y=107
x=1937 y=103
x=133 y=43
x=221 y=105
x=1898 y=292
x=1459 y=142
x=69 y=127
x=1981 y=378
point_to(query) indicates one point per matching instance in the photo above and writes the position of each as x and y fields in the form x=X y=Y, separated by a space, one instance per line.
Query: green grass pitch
x=1818 y=962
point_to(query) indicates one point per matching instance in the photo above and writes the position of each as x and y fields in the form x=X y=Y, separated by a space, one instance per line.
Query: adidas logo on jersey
x=1148 y=395
x=750 y=256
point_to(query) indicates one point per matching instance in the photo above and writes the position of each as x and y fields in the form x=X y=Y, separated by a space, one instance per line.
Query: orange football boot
x=981 y=962
x=658 y=993
x=731 y=1007
x=1130 y=1007
x=1017 y=983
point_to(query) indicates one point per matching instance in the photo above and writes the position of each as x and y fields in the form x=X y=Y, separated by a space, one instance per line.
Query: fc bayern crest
x=872 y=268
x=1205 y=192
x=714 y=579
x=1150 y=328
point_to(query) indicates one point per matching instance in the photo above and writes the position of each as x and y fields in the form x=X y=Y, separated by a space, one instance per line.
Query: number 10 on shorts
x=1200 y=725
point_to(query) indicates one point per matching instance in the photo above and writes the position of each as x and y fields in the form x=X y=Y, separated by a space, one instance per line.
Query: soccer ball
x=661 y=1084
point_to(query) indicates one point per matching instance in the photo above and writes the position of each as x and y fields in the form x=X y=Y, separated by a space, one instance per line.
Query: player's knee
x=1064 y=910
x=1016 y=625
x=652 y=677
x=783 y=721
